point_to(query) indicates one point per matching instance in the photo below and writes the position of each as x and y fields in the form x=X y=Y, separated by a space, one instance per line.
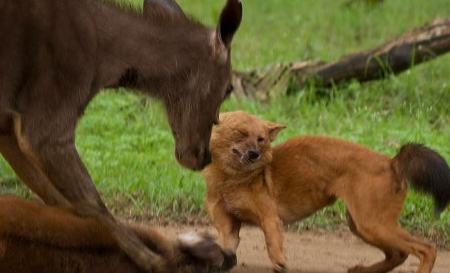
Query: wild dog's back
x=309 y=166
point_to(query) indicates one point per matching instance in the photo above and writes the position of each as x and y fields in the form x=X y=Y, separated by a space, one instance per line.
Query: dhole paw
x=279 y=268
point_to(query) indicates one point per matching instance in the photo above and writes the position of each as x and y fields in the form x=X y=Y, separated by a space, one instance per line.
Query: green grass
x=128 y=148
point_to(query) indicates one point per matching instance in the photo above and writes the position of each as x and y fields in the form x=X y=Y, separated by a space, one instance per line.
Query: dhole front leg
x=273 y=233
x=50 y=148
x=228 y=228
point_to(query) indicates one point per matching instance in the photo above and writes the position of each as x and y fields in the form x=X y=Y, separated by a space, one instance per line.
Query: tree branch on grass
x=393 y=57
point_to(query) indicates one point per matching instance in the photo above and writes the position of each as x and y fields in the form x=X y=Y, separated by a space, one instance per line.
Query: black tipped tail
x=426 y=170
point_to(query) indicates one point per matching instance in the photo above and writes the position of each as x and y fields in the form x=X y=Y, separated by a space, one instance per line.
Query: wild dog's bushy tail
x=426 y=170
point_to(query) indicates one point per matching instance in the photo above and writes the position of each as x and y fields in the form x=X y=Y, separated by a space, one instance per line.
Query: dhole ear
x=223 y=116
x=229 y=22
x=150 y=6
x=274 y=129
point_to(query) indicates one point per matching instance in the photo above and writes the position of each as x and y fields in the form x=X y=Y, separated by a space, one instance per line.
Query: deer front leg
x=273 y=233
x=228 y=228
x=34 y=178
x=51 y=150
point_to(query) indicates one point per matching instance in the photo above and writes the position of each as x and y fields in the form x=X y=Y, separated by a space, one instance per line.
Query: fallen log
x=393 y=57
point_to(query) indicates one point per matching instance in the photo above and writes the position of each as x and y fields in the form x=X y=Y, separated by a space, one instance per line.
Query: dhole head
x=197 y=91
x=242 y=142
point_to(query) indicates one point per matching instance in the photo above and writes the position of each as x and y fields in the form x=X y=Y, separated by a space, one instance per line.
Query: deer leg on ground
x=34 y=178
x=52 y=151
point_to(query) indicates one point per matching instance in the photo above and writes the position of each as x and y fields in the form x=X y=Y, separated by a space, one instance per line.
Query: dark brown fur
x=304 y=174
x=426 y=170
x=41 y=239
x=55 y=56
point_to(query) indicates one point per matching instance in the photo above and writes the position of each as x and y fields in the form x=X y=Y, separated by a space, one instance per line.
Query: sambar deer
x=42 y=239
x=56 y=55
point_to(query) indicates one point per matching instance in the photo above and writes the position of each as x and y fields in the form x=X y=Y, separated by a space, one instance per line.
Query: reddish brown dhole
x=248 y=181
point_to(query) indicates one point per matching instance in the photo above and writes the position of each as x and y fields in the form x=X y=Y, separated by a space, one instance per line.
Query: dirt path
x=317 y=252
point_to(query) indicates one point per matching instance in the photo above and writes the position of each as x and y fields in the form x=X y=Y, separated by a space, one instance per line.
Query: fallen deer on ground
x=41 y=239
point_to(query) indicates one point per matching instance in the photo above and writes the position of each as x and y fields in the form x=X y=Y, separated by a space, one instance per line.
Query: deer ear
x=229 y=21
x=274 y=129
x=150 y=6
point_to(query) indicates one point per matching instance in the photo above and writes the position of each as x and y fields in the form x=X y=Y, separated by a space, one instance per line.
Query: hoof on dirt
x=230 y=260
x=206 y=254
x=202 y=247
x=280 y=268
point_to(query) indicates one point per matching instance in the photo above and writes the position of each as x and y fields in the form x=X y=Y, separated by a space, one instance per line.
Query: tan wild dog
x=36 y=238
x=248 y=181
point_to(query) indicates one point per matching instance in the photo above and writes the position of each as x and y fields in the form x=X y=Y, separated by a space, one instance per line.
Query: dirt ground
x=316 y=252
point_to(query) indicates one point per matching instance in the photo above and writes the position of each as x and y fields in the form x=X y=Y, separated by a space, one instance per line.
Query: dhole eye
x=261 y=139
x=241 y=134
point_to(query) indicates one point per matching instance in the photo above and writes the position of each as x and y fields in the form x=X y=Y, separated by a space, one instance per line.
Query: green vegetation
x=128 y=148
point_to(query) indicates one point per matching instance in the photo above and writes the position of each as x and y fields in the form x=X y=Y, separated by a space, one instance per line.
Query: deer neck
x=143 y=53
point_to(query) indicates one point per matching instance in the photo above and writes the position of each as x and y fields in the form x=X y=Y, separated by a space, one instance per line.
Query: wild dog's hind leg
x=393 y=258
x=379 y=228
x=395 y=238
x=424 y=251
x=375 y=207
x=50 y=147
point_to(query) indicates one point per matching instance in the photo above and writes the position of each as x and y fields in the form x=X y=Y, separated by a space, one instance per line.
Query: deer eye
x=230 y=89
x=261 y=139
x=216 y=118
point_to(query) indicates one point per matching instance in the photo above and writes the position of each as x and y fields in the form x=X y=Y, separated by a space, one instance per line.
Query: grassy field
x=128 y=148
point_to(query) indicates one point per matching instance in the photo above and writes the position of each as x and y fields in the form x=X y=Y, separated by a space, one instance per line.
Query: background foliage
x=128 y=148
